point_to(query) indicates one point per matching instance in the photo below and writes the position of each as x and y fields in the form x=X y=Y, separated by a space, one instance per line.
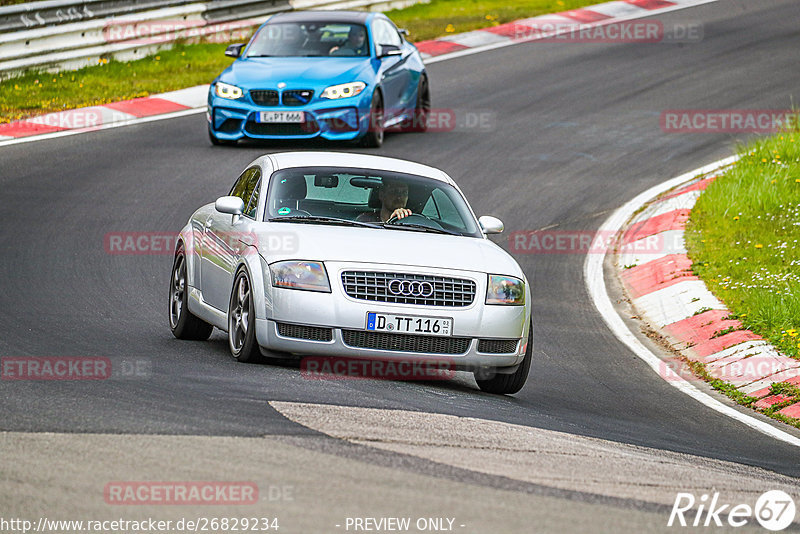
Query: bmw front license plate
x=282 y=116
x=409 y=324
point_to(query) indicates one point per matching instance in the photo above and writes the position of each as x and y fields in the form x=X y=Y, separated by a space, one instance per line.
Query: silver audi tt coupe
x=353 y=256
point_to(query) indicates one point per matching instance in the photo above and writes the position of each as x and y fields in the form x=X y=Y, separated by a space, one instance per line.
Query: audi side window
x=252 y=206
x=246 y=184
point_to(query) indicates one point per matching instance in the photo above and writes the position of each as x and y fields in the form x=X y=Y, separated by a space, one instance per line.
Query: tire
x=217 y=141
x=183 y=323
x=374 y=136
x=419 y=123
x=507 y=384
x=242 y=321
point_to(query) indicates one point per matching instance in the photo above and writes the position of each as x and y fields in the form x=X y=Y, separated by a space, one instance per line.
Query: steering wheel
x=416 y=218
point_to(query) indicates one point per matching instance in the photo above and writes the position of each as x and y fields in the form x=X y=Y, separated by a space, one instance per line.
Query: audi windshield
x=369 y=198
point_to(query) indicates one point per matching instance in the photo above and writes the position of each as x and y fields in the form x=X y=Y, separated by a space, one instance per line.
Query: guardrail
x=68 y=34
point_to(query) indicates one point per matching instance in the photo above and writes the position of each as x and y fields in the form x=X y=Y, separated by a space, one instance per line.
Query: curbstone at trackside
x=667 y=295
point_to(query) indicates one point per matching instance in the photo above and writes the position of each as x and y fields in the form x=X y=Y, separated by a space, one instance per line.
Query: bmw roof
x=321 y=16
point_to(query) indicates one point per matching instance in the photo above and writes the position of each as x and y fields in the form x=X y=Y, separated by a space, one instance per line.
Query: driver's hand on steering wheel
x=400 y=213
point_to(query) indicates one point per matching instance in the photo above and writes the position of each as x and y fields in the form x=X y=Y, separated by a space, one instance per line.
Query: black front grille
x=230 y=126
x=264 y=97
x=405 y=342
x=281 y=128
x=297 y=97
x=374 y=286
x=314 y=333
x=497 y=346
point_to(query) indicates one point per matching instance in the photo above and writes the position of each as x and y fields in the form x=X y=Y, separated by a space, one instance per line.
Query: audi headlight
x=505 y=290
x=224 y=90
x=305 y=275
x=344 y=90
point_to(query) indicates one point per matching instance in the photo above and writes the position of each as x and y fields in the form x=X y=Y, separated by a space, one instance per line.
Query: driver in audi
x=393 y=196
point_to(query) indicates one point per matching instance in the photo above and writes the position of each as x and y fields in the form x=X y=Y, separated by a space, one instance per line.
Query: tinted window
x=385 y=33
x=360 y=194
x=307 y=39
x=245 y=185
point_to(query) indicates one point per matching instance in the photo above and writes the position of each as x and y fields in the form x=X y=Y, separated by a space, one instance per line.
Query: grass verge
x=744 y=239
x=782 y=388
x=185 y=65
x=441 y=17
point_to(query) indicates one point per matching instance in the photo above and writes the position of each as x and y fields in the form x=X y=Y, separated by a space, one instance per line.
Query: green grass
x=440 y=17
x=744 y=239
x=183 y=66
x=36 y=93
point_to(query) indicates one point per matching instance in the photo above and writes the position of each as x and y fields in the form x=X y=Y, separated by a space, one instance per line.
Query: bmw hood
x=268 y=72
x=298 y=241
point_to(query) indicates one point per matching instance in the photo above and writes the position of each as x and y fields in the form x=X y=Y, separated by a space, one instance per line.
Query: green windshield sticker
x=284 y=211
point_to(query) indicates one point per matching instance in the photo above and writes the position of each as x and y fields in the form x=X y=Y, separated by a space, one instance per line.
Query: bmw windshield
x=307 y=39
x=360 y=197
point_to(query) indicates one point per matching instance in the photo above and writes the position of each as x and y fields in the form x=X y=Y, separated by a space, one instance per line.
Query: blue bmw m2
x=338 y=75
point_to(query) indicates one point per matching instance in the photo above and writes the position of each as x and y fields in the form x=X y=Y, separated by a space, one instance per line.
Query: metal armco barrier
x=68 y=34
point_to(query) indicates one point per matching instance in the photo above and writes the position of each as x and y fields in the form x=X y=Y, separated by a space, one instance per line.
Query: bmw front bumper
x=336 y=120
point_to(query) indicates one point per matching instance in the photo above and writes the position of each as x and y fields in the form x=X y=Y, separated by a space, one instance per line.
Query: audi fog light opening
x=303 y=275
x=344 y=90
x=505 y=290
x=225 y=90
x=410 y=288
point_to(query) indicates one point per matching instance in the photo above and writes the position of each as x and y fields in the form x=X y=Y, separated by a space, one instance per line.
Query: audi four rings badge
x=410 y=288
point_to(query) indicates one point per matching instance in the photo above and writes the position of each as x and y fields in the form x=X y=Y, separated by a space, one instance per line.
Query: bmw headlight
x=344 y=90
x=305 y=275
x=225 y=90
x=505 y=290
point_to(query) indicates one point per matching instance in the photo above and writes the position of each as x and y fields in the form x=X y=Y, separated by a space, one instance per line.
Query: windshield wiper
x=260 y=55
x=319 y=219
x=417 y=227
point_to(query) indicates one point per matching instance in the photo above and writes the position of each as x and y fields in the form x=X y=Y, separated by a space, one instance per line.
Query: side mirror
x=229 y=205
x=234 y=50
x=404 y=32
x=390 y=50
x=491 y=225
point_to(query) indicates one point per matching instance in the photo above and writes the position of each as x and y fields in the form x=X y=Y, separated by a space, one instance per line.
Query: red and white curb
x=193 y=100
x=551 y=25
x=678 y=305
x=184 y=101
x=649 y=282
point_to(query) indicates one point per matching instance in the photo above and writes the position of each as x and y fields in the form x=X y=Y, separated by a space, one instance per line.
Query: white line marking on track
x=477 y=50
x=596 y=285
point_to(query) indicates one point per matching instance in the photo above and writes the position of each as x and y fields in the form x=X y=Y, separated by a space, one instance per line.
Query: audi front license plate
x=409 y=324
x=282 y=116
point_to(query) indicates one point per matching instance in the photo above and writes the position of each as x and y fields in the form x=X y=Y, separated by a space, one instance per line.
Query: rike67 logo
x=774 y=510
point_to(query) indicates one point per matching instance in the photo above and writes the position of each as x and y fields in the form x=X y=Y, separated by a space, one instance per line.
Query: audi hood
x=300 y=241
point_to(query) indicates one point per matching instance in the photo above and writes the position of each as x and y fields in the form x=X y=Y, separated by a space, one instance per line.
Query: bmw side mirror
x=491 y=225
x=229 y=205
x=390 y=50
x=234 y=50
